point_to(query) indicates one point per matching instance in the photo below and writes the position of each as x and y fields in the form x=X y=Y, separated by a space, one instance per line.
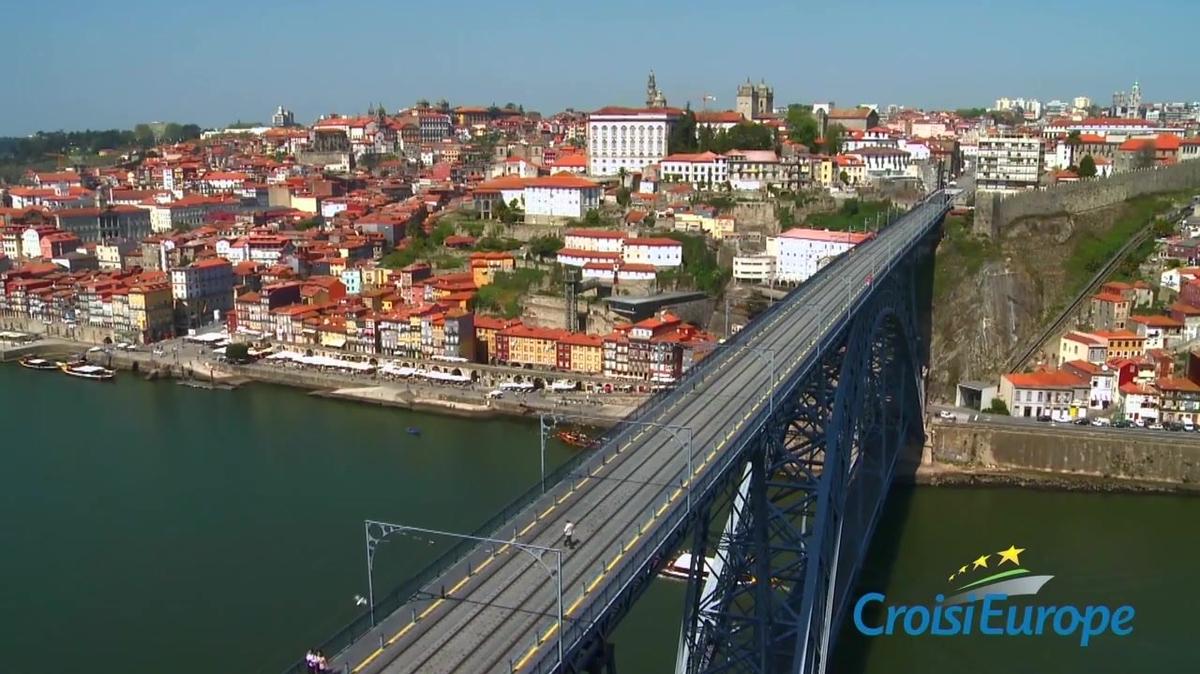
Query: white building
x=559 y=197
x=799 y=253
x=659 y=252
x=627 y=138
x=1008 y=163
x=602 y=240
x=756 y=169
x=754 y=268
x=703 y=169
x=884 y=161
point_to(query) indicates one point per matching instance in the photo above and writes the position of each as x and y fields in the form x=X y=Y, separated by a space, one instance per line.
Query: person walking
x=310 y=661
x=569 y=534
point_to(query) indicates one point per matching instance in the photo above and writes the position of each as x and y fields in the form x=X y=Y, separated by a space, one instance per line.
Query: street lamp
x=376 y=532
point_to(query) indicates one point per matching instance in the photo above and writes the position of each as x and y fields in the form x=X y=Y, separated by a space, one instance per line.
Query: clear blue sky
x=73 y=64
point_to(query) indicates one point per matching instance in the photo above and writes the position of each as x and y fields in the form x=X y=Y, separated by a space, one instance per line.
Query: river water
x=151 y=527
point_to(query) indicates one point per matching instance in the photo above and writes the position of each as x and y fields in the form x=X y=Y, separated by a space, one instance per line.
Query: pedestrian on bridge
x=569 y=535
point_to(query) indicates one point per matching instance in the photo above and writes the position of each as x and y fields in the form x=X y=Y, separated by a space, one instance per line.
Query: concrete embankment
x=1061 y=457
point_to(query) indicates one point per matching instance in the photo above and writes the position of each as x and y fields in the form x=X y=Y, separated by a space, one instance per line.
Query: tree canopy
x=802 y=126
x=971 y=113
x=683 y=134
x=833 y=139
x=1087 y=167
x=43 y=144
x=743 y=136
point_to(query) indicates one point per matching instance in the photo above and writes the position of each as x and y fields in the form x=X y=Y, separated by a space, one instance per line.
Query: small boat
x=681 y=568
x=35 y=363
x=86 y=371
x=413 y=430
x=576 y=439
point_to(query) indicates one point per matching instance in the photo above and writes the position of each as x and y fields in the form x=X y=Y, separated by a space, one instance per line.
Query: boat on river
x=681 y=567
x=576 y=439
x=85 y=370
x=413 y=430
x=36 y=363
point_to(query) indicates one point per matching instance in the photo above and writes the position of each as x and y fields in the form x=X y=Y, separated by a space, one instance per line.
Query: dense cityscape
x=754 y=354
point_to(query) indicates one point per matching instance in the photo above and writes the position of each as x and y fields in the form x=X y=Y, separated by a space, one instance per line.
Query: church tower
x=654 y=97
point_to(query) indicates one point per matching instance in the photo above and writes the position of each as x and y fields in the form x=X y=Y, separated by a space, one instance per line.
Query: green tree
x=970 y=113
x=802 y=126
x=237 y=352
x=1087 y=167
x=833 y=139
x=844 y=177
x=683 y=134
x=309 y=223
x=441 y=231
x=143 y=135
x=623 y=196
x=998 y=406
x=545 y=246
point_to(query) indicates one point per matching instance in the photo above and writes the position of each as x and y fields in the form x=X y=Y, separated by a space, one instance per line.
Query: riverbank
x=1065 y=457
x=951 y=475
x=469 y=401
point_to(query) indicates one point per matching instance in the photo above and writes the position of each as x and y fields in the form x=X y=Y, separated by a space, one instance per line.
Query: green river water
x=149 y=528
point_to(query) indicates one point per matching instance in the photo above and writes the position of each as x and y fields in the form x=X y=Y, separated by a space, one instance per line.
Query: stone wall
x=995 y=211
x=1065 y=451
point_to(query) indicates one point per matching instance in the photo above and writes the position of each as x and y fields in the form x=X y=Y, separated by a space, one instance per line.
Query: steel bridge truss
x=791 y=529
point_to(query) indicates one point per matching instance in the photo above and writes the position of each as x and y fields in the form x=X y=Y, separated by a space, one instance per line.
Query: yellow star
x=962 y=569
x=1011 y=555
x=981 y=562
x=951 y=577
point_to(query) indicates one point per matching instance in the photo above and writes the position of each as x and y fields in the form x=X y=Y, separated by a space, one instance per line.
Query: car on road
x=1081 y=421
x=946 y=414
x=1044 y=417
x=1189 y=427
x=1100 y=421
x=1172 y=426
x=1155 y=426
x=1139 y=423
x=1121 y=424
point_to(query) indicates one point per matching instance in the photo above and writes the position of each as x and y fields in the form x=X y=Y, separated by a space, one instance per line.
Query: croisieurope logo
x=978 y=603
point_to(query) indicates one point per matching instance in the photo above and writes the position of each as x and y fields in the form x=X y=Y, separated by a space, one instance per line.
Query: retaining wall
x=1125 y=454
x=994 y=211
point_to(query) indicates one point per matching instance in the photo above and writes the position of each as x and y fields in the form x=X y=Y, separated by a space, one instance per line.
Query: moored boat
x=576 y=439
x=86 y=371
x=35 y=363
x=681 y=567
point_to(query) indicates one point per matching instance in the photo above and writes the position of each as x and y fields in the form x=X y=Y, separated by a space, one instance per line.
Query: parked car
x=1172 y=425
x=1139 y=423
x=946 y=414
x=1189 y=426
x=1044 y=417
x=1155 y=426
x=1121 y=424
x=1101 y=421
x=1081 y=421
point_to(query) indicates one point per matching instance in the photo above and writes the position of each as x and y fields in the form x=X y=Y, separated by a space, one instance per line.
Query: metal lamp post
x=376 y=532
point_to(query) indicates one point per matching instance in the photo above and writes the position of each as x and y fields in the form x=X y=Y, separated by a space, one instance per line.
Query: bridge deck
x=502 y=614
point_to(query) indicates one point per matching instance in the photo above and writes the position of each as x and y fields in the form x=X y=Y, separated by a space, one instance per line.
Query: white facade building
x=754 y=268
x=659 y=252
x=1008 y=163
x=559 y=197
x=627 y=138
x=601 y=240
x=799 y=253
x=704 y=169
